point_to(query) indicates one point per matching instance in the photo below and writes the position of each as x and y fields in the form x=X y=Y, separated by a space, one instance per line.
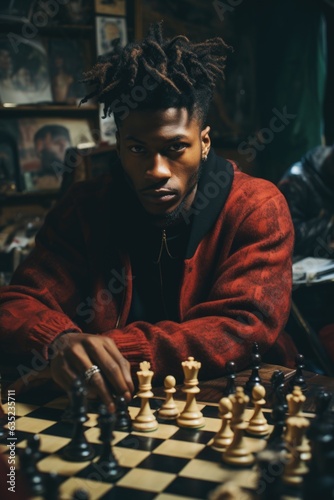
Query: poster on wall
x=108 y=30
x=24 y=75
x=42 y=146
x=66 y=70
x=110 y=7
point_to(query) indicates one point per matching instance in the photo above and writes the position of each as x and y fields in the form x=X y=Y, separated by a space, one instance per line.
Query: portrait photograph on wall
x=42 y=145
x=24 y=74
x=108 y=30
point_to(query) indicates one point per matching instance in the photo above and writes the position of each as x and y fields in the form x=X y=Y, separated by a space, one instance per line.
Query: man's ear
x=206 y=141
x=117 y=142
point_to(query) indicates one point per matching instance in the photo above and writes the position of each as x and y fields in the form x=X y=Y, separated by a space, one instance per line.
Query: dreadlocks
x=175 y=72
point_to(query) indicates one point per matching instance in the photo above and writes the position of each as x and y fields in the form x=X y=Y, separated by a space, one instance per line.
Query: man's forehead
x=171 y=121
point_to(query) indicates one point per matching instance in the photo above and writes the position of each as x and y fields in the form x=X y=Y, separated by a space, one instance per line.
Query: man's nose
x=158 y=168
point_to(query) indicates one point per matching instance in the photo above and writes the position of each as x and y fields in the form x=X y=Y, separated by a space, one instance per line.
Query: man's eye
x=179 y=146
x=136 y=149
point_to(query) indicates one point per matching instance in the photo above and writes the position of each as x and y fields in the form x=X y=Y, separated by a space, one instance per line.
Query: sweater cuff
x=42 y=335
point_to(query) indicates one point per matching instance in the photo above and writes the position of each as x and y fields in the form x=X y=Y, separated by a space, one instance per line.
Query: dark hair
x=53 y=130
x=178 y=73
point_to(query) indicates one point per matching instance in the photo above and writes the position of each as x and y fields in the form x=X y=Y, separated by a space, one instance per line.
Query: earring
x=204 y=157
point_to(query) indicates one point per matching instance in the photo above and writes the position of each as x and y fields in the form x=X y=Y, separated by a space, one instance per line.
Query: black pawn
x=78 y=450
x=271 y=468
x=107 y=462
x=298 y=378
x=34 y=443
x=123 y=419
x=80 y=495
x=278 y=387
x=52 y=486
x=276 y=439
x=254 y=378
x=230 y=386
x=30 y=473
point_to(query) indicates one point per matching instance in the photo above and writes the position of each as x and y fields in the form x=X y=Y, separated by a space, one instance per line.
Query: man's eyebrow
x=170 y=139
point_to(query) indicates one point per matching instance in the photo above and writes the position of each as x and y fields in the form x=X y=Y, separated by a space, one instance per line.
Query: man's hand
x=74 y=353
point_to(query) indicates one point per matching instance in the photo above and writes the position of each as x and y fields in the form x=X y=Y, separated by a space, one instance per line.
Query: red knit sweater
x=235 y=289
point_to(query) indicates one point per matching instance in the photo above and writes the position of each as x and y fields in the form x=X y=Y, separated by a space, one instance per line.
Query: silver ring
x=90 y=372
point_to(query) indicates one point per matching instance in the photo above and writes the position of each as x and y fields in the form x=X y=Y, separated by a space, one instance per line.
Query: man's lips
x=158 y=195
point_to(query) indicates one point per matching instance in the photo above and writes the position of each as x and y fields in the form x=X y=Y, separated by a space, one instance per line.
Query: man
x=308 y=187
x=176 y=254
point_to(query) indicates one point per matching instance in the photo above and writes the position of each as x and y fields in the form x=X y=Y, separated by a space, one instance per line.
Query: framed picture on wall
x=24 y=75
x=110 y=7
x=108 y=30
x=42 y=145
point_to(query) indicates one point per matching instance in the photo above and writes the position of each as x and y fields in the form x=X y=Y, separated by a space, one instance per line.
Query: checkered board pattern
x=167 y=464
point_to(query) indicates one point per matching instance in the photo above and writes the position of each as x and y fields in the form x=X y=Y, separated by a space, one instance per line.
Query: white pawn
x=191 y=417
x=169 y=409
x=145 y=420
x=224 y=436
x=258 y=425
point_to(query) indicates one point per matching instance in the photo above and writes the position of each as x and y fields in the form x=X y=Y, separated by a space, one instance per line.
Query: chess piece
x=31 y=474
x=80 y=494
x=276 y=438
x=298 y=378
x=123 y=418
x=319 y=481
x=258 y=425
x=237 y=453
x=52 y=486
x=78 y=450
x=145 y=420
x=277 y=384
x=270 y=463
x=191 y=417
x=296 y=468
x=34 y=443
x=230 y=386
x=254 y=378
x=107 y=461
x=295 y=401
x=224 y=436
x=169 y=410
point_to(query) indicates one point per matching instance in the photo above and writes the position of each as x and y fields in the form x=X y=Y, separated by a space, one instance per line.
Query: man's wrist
x=57 y=343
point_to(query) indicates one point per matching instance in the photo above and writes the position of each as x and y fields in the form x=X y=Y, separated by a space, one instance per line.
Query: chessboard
x=168 y=463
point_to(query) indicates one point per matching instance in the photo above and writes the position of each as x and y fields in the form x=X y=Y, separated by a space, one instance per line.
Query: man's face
x=50 y=149
x=161 y=152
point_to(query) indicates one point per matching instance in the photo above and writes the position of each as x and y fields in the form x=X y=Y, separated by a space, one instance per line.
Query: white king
x=145 y=376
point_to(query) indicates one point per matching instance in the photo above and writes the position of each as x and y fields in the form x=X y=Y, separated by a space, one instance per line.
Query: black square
x=193 y=436
x=119 y=493
x=209 y=454
x=136 y=442
x=210 y=411
x=163 y=463
x=46 y=413
x=191 y=487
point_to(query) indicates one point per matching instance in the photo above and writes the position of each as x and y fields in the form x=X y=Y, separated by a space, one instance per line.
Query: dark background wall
x=276 y=102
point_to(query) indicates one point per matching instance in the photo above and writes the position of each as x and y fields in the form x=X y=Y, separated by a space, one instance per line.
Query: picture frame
x=42 y=146
x=111 y=7
x=108 y=30
x=24 y=73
